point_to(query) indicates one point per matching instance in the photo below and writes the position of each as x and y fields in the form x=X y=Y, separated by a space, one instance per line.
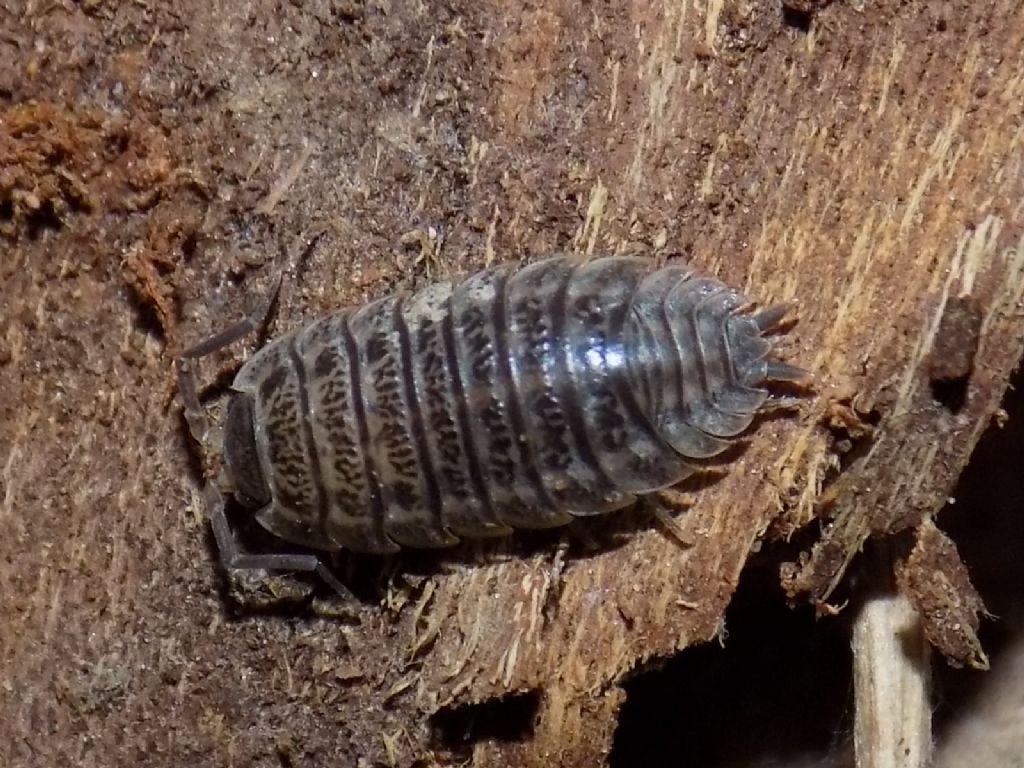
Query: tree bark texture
x=863 y=161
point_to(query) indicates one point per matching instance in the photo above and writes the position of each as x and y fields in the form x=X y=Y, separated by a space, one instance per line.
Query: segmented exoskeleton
x=517 y=399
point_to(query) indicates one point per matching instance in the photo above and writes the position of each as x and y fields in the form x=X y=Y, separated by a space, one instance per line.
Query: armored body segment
x=630 y=451
x=335 y=417
x=464 y=497
x=748 y=350
x=480 y=328
x=396 y=443
x=553 y=419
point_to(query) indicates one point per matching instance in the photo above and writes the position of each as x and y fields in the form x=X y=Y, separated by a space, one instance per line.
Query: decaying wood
x=950 y=608
x=868 y=167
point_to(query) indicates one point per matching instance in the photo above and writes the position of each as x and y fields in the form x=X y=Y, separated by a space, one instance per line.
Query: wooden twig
x=892 y=719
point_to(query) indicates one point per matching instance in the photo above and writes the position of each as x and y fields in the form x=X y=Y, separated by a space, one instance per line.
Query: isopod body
x=518 y=398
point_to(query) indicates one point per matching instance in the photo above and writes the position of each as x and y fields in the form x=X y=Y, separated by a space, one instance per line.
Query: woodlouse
x=517 y=399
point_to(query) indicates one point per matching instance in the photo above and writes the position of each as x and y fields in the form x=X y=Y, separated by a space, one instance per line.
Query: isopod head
x=240 y=454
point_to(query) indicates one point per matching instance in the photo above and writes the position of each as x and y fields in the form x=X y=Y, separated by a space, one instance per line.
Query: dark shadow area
x=147 y=318
x=508 y=719
x=950 y=393
x=797 y=18
x=987 y=524
x=777 y=692
x=43 y=219
x=951 y=360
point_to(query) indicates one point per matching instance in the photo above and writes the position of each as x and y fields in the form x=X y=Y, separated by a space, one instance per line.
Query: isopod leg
x=556 y=580
x=251 y=322
x=658 y=505
x=254 y=321
x=672 y=526
x=235 y=559
x=195 y=416
x=198 y=424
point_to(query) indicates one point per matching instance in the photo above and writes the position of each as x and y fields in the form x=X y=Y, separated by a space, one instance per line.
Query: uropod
x=517 y=398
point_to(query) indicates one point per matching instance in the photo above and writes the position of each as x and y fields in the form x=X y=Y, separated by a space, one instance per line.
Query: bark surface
x=866 y=163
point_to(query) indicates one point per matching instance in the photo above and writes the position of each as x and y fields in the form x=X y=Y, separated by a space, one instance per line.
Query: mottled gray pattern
x=517 y=399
